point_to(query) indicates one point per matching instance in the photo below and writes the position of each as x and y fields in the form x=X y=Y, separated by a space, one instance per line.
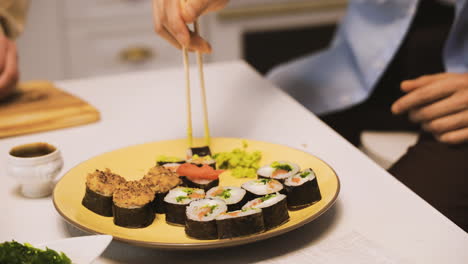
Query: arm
x=439 y=102
x=172 y=16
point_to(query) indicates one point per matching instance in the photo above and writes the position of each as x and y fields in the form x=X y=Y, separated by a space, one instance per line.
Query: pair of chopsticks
x=203 y=93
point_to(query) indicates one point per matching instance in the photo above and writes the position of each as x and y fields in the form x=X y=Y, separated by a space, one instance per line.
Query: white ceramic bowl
x=35 y=174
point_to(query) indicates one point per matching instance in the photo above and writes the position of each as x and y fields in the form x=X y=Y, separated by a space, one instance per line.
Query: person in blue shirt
x=392 y=65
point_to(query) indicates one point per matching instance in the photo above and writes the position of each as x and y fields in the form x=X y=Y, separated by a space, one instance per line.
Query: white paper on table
x=349 y=248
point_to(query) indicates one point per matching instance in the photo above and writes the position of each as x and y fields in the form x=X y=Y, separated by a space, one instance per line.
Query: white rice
x=214 y=206
x=258 y=203
x=176 y=195
x=268 y=171
x=262 y=186
x=298 y=180
x=235 y=194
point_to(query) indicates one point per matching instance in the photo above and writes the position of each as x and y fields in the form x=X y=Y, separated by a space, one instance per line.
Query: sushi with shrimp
x=278 y=170
x=176 y=202
x=132 y=206
x=261 y=187
x=302 y=189
x=234 y=197
x=240 y=223
x=274 y=209
x=100 y=186
x=201 y=214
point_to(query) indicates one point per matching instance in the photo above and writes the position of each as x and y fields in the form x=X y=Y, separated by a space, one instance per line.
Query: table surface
x=150 y=106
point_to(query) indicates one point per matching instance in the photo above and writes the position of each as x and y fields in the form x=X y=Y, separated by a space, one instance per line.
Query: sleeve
x=12 y=16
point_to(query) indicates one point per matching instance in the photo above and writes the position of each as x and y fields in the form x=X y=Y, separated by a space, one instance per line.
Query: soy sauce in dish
x=32 y=150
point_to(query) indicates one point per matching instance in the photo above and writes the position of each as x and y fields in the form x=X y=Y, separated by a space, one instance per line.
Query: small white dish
x=81 y=250
x=35 y=166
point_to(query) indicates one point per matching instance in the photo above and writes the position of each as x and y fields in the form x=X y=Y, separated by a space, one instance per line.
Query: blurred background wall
x=70 y=39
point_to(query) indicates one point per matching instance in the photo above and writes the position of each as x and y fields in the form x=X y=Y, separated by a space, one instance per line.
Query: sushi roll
x=201 y=214
x=204 y=177
x=132 y=206
x=302 y=189
x=100 y=186
x=234 y=197
x=200 y=151
x=278 y=170
x=261 y=187
x=176 y=202
x=274 y=209
x=160 y=180
x=240 y=223
x=171 y=163
x=202 y=160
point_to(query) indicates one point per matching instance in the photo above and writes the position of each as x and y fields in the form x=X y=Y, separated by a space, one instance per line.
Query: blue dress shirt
x=366 y=41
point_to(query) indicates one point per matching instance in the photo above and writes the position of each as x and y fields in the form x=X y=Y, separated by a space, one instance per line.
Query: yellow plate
x=133 y=162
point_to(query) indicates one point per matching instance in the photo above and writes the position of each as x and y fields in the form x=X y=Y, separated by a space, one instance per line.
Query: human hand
x=172 y=16
x=9 y=73
x=439 y=102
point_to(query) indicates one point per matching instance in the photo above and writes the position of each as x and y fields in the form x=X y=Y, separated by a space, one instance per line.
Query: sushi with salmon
x=176 y=202
x=274 y=209
x=204 y=177
x=234 y=197
x=201 y=215
x=302 y=189
x=100 y=186
x=278 y=170
x=240 y=223
x=132 y=205
x=261 y=187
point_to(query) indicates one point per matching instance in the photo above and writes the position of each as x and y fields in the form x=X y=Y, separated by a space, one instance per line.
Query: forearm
x=13 y=16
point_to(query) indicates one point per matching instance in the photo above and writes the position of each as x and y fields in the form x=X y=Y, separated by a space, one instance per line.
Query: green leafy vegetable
x=305 y=174
x=225 y=194
x=264 y=180
x=188 y=191
x=281 y=166
x=267 y=197
x=180 y=198
x=212 y=207
x=16 y=253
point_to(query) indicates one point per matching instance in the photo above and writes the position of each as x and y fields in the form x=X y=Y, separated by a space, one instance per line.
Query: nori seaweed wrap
x=274 y=209
x=204 y=184
x=201 y=214
x=200 y=151
x=240 y=223
x=133 y=205
x=176 y=202
x=100 y=186
x=302 y=190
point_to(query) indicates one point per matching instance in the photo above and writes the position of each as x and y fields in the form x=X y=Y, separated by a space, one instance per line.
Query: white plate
x=81 y=250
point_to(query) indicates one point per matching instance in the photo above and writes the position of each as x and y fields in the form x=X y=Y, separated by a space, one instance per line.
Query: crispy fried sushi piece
x=302 y=189
x=177 y=200
x=201 y=214
x=274 y=208
x=234 y=197
x=261 y=187
x=278 y=170
x=132 y=206
x=239 y=223
x=160 y=180
x=100 y=186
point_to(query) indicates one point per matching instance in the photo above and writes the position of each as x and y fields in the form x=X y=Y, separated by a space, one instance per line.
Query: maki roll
x=200 y=151
x=201 y=214
x=302 y=189
x=202 y=160
x=171 y=163
x=160 y=180
x=278 y=170
x=100 y=186
x=176 y=202
x=262 y=187
x=274 y=208
x=239 y=223
x=132 y=205
x=204 y=177
x=234 y=197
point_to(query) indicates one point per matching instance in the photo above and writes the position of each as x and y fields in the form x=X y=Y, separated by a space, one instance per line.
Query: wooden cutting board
x=40 y=106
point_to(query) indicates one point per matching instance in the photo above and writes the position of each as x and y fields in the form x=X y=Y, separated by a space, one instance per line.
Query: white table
x=149 y=106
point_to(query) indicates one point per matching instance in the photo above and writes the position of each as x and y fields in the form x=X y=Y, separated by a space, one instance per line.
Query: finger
x=192 y=9
x=454 y=137
x=3 y=51
x=216 y=5
x=197 y=43
x=176 y=25
x=423 y=95
x=410 y=85
x=10 y=74
x=171 y=39
x=449 y=105
x=447 y=123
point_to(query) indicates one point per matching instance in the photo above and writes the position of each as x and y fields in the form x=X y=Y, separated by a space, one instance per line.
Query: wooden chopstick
x=203 y=90
x=188 y=95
